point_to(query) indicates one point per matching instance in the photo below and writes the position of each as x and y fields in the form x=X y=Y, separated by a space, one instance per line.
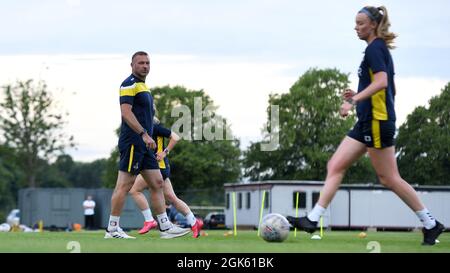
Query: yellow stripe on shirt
x=379 y=109
x=141 y=87
x=134 y=89
x=128 y=90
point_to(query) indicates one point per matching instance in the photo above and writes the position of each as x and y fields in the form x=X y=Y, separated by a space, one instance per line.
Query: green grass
x=245 y=242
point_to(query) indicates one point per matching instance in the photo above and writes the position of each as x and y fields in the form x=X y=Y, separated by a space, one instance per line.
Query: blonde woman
x=374 y=131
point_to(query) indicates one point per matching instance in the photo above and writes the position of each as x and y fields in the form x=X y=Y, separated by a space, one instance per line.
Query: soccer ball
x=274 y=228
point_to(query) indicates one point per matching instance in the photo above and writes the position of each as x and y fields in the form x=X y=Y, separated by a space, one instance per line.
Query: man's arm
x=134 y=124
x=130 y=118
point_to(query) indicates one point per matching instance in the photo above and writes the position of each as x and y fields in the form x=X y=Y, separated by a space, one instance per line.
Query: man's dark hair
x=138 y=53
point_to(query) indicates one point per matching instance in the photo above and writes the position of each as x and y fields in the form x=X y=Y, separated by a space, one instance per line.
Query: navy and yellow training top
x=380 y=106
x=159 y=133
x=135 y=92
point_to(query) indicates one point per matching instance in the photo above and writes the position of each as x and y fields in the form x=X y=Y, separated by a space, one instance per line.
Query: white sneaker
x=117 y=234
x=174 y=232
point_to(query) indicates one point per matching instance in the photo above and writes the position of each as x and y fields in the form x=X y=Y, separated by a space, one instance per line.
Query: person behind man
x=160 y=133
x=89 y=206
x=136 y=151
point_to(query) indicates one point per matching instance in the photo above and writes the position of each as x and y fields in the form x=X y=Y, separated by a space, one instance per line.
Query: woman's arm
x=172 y=141
x=380 y=82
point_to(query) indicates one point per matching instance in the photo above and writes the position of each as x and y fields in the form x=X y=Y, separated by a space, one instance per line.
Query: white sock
x=164 y=222
x=426 y=218
x=113 y=223
x=190 y=218
x=315 y=214
x=147 y=215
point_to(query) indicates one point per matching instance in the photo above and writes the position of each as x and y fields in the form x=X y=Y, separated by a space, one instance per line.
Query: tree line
x=33 y=141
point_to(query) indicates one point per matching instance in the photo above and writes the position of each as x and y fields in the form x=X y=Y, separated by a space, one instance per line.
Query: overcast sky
x=237 y=51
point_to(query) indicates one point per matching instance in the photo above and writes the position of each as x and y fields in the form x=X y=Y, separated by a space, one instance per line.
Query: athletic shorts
x=165 y=172
x=374 y=133
x=134 y=159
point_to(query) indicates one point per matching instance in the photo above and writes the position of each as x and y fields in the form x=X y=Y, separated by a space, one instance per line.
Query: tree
x=31 y=126
x=310 y=130
x=10 y=180
x=109 y=176
x=423 y=142
x=65 y=172
x=88 y=175
x=51 y=177
x=195 y=163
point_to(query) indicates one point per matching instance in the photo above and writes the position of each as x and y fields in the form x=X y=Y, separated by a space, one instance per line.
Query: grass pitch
x=216 y=242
